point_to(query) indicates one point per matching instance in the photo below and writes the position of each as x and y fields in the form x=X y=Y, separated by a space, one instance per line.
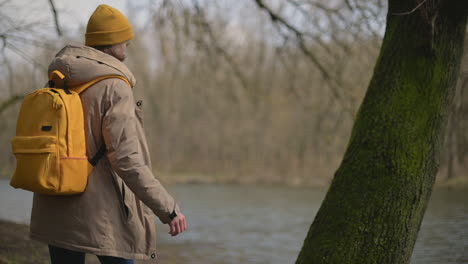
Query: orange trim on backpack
x=56 y=75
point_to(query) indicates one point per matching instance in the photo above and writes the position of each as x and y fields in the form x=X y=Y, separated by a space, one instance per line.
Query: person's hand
x=178 y=225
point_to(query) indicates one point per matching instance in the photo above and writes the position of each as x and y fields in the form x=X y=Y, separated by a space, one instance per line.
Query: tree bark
x=375 y=205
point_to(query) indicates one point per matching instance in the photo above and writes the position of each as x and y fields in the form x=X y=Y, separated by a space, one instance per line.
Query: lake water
x=252 y=224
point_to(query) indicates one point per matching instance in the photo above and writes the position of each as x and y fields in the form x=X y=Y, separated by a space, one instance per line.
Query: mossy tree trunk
x=375 y=205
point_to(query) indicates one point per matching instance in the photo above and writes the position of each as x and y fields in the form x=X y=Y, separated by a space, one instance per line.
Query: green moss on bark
x=375 y=205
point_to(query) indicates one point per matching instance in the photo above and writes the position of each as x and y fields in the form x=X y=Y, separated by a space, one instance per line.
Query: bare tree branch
x=348 y=4
x=29 y=41
x=300 y=36
x=4 y=42
x=412 y=10
x=237 y=72
x=56 y=19
x=25 y=56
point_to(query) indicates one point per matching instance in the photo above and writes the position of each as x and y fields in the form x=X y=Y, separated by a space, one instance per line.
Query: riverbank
x=193 y=178
x=17 y=248
x=231 y=224
x=459 y=182
x=320 y=182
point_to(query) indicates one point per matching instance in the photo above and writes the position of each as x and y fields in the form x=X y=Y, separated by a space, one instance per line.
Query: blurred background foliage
x=244 y=91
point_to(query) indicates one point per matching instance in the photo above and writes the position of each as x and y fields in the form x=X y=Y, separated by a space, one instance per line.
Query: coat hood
x=81 y=64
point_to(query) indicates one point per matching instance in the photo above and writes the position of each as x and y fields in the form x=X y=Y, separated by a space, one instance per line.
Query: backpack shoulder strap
x=99 y=154
x=56 y=78
x=81 y=88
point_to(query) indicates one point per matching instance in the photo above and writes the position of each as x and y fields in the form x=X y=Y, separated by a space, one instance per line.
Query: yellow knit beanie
x=107 y=26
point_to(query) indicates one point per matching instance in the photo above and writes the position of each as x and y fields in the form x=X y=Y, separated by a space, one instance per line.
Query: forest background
x=233 y=91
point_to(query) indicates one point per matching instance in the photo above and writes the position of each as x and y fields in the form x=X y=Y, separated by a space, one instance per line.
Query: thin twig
x=334 y=84
x=4 y=42
x=32 y=42
x=411 y=11
x=299 y=35
x=25 y=56
x=56 y=19
x=237 y=72
x=348 y=4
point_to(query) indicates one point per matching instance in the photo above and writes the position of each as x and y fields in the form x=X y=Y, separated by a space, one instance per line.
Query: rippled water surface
x=251 y=224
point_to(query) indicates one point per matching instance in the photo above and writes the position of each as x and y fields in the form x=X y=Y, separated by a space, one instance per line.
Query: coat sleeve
x=124 y=154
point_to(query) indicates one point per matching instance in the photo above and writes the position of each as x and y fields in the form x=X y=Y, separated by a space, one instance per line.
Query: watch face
x=173 y=215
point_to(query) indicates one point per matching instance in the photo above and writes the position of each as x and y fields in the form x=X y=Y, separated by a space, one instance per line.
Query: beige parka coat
x=115 y=214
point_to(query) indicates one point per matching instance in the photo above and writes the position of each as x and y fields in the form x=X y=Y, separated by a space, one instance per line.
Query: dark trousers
x=65 y=256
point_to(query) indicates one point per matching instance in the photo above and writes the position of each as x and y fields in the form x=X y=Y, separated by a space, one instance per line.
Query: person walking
x=114 y=218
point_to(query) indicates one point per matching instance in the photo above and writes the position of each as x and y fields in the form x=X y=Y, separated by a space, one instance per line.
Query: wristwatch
x=173 y=215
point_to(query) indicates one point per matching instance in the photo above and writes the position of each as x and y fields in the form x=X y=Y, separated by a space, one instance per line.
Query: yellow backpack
x=50 y=144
